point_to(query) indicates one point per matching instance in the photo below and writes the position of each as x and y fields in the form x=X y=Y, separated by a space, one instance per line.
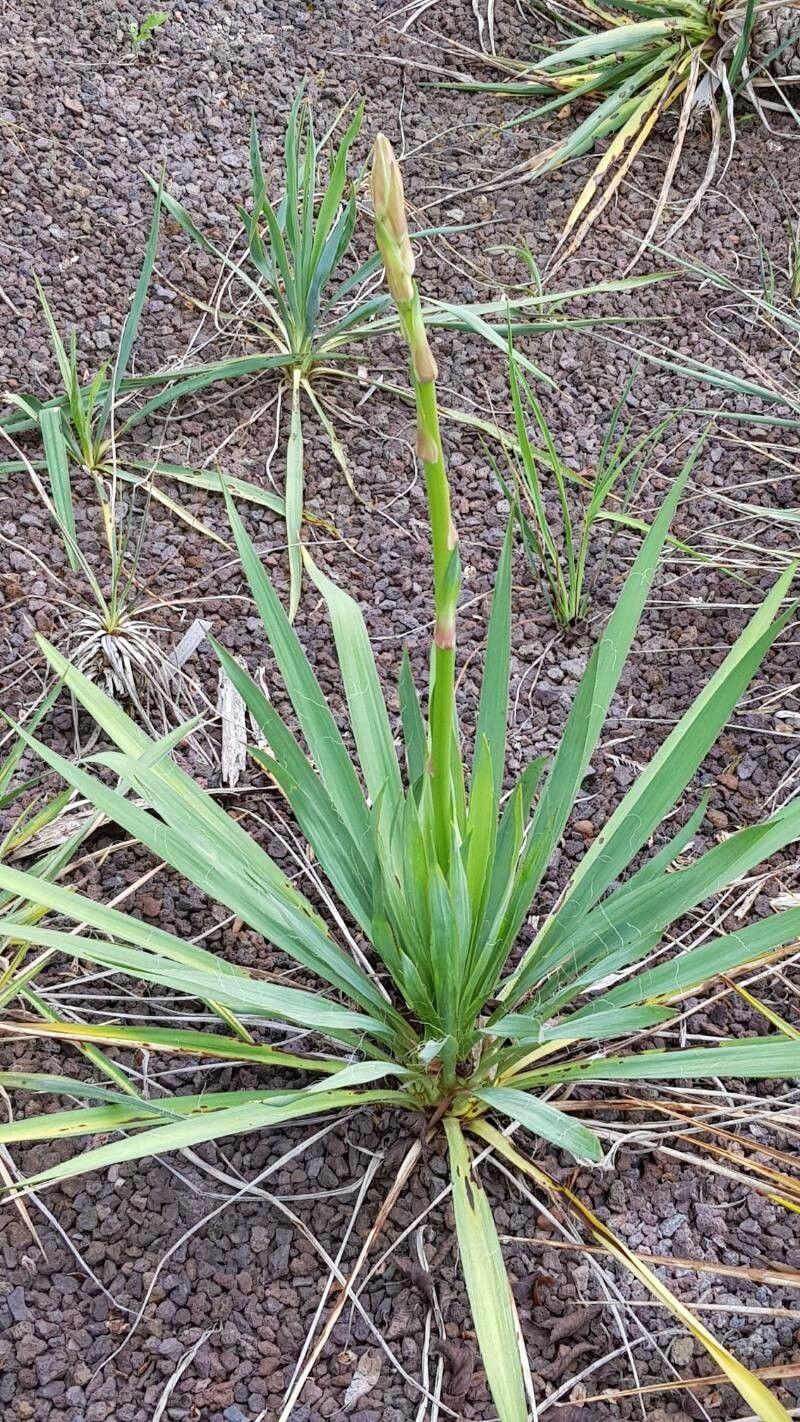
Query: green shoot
x=142 y=31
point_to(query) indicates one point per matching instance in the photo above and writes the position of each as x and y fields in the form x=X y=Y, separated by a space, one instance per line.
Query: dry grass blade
x=781 y=1373
x=779 y=1277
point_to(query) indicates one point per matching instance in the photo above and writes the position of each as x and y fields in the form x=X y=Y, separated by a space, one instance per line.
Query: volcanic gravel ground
x=80 y=123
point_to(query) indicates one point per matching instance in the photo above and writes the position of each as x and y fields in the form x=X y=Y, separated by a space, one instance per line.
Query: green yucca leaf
x=132 y=321
x=626 y=925
x=619 y=39
x=749 y=1058
x=323 y=736
x=234 y=988
x=180 y=1040
x=598 y=1022
x=368 y=715
x=293 y=497
x=204 y=1126
x=699 y=965
x=584 y=724
x=129 y=1115
x=544 y=1120
x=57 y=460
x=334 y=191
x=490 y=1296
x=655 y=791
x=493 y=705
x=345 y=860
x=415 y=735
x=212 y=860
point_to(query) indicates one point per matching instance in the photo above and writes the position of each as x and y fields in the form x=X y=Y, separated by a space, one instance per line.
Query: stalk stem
x=393 y=241
x=446 y=584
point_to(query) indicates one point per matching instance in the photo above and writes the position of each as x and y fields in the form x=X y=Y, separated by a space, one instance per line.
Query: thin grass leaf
x=130 y=326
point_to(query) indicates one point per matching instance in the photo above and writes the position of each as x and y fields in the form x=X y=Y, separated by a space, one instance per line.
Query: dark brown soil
x=80 y=121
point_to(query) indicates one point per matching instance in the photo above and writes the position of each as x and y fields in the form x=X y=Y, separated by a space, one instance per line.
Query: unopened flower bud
x=427 y=448
x=425 y=367
x=391 y=227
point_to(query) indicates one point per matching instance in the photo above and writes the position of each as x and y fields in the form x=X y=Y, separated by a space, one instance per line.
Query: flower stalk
x=391 y=230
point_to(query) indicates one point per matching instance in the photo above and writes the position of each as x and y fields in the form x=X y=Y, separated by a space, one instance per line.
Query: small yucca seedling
x=112 y=635
x=110 y=632
x=557 y=546
x=417 y=996
x=80 y=425
x=633 y=63
x=88 y=424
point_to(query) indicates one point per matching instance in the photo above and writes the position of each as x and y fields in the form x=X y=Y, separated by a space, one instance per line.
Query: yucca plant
x=557 y=545
x=28 y=813
x=417 y=994
x=633 y=63
x=88 y=423
x=111 y=630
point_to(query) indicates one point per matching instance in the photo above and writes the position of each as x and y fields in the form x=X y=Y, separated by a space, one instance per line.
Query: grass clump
x=415 y=993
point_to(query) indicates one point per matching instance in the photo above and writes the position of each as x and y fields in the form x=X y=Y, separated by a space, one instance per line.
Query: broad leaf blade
x=293 y=498
x=665 y=777
x=589 y=711
x=210 y=1126
x=544 y=1120
x=324 y=739
x=57 y=459
x=490 y=1296
x=748 y=1058
x=368 y=715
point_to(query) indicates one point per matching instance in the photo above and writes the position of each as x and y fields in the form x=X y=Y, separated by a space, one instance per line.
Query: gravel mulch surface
x=230 y=1285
